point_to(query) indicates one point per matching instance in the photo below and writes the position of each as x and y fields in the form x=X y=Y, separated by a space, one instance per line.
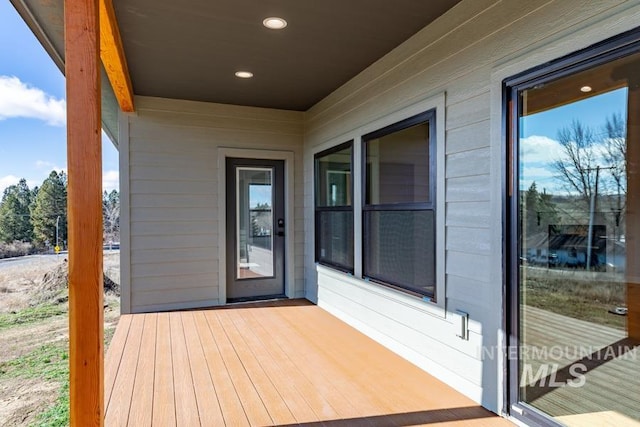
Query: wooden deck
x=611 y=392
x=288 y=363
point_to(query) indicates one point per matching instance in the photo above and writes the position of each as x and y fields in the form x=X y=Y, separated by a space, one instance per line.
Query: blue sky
x=592 y=111
x=32 y=109
x=538 y=135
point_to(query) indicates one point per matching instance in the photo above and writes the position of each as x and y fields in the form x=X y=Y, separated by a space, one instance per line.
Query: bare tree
x=615 y=154
x=588 y=157
x=111 y=216
x=577 y=167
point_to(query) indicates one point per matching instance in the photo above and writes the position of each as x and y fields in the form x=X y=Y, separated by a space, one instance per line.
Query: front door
x=255 y=229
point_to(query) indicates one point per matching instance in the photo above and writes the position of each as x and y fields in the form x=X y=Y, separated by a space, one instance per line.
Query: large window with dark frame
x=334 y=207
x=574 y=245
x=399 y=205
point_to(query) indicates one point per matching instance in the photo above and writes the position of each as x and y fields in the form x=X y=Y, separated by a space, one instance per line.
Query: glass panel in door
x=254 y=198
x=578 y=221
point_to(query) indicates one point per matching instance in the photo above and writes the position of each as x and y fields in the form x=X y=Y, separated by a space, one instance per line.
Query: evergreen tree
x=532 y=211
x=540 y=211
x=15 y=219
x=49 y=204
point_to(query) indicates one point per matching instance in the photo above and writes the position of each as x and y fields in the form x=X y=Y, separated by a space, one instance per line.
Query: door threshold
x=245 y=300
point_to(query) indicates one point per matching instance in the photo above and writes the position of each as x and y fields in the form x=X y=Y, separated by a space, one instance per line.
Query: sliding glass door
x=575 y=231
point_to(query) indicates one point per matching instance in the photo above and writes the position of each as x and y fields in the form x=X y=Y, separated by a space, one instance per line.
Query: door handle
x=280 y=233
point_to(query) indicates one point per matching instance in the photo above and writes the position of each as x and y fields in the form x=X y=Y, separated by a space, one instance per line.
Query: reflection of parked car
x=540 y=260
x=111 y=246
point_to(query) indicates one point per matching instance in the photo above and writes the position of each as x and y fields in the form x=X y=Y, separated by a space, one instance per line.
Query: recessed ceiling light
x=244 y=74
x=586 y=89
x=274 y=23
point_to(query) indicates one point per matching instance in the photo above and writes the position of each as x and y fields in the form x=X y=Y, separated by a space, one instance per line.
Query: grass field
x=581 y=295
x=34 y=368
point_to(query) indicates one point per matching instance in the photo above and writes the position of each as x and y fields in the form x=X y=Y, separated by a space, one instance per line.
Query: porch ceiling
x=191 y=49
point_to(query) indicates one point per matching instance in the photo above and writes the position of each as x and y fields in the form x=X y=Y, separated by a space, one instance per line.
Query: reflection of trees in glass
x=591 y=158
x=261 y=220
x=541 y=211
x=577 y=167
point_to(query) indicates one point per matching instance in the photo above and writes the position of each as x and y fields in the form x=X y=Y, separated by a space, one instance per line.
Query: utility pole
x=58 y=233
x=592 y=211
x=592 y=214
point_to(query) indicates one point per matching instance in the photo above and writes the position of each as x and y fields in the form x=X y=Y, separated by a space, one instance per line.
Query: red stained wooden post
x=84 y=152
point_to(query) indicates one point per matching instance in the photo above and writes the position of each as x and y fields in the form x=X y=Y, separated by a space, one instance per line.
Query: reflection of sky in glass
x=259 y=194
x=539 y=147
x=591 y=111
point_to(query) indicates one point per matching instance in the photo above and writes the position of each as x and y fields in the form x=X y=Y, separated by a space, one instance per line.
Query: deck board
x=346 y=396
x=278 y=368
x=286 y=363
x=384 y=386
x=232 y=410
x=611 y=387
x=325 y=396
x=114 y=356
x=140 y=413
x=206 y=395
x=277 y=407
x=164 y=406
x=254 y=407
x=185 y=397
x=117 y=413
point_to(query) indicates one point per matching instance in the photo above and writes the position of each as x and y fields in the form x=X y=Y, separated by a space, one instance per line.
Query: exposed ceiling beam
x=112 y=55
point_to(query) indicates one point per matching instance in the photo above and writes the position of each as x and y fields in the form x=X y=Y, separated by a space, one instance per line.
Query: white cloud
x=6 y=181
x=47 y=167
x=9 y=180
x=536 y=172
x=43 y=164
x=540 y=149
x=18 y=99
x=110 y=180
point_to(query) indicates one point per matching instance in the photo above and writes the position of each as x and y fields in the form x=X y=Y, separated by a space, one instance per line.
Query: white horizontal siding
x=468 y=111
x=180 y=296
x=465 y=54
x=469 y=188
x=174 y=196
x=470 y=137
x=174 y=255
x=468 y=163
x=469 y=240
x=152 y=228
x=144 y=186
x=166 y=239
x=159 y=284
x=465 y=213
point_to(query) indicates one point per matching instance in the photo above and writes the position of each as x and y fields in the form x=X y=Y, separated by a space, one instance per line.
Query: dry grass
x=34 y=338
x=15 y=249
x=581 y=295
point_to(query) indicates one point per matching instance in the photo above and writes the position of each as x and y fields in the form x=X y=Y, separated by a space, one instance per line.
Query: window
x=399 y=238
x=334 y=208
